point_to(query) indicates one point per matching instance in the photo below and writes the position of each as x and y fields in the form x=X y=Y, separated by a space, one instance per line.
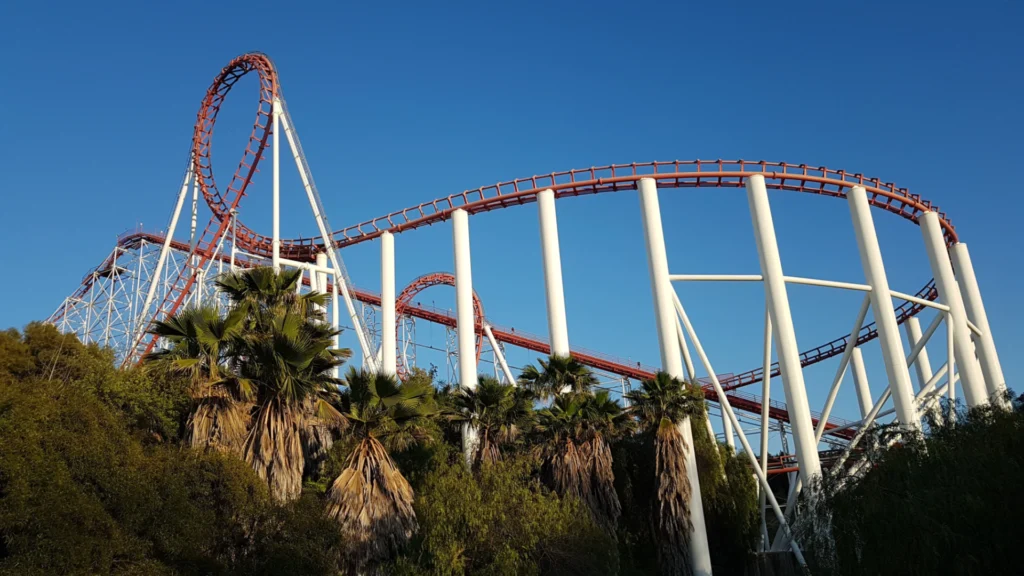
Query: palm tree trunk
x=274 y=449
x=679 y=512
x=604 y=501
x=470 y=443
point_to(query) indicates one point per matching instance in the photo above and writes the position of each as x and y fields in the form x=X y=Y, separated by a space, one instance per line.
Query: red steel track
x=510 y=336
x=820 y=181
x=404 y=299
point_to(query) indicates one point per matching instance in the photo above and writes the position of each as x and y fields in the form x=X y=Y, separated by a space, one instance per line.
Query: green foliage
x=96 y=476
x=500 y=413
x=87 y=486
x=946 y=504
x=501 y=522
x=556 y=375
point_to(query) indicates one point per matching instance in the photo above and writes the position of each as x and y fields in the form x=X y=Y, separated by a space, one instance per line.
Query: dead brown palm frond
x=273 y=449
x=673 y=492
x=604 y=501
x=372 y=502
x=219 y=422
x=321 y=422
x=370 y=499
x=488 y=450
x=565 y=469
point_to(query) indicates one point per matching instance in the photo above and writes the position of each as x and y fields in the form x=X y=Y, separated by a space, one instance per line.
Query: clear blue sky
x=400 y=103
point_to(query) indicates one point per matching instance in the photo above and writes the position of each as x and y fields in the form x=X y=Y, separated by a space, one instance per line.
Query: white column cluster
x=995 y=383
x=971 y=378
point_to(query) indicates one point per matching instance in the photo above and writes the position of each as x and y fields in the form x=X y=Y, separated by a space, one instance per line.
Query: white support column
x=142 y=321
x=321 y=278
x=314 y=281
x=499 y=356
x=661 y=286
x=766 y=387
x=388 y=328
x=970 y=371
x=234 y=237
x=860 y=382
x=922 y=365
x=464 y=300
x=671 y=362
x=195 y=216
x=985 y=345
x=276 y=177
x=334 y=320
x=782 y=327
x=893 y=355
x=730 y=439
x=558 y=331
x=464 y=321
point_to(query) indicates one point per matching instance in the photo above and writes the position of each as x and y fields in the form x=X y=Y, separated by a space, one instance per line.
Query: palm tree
x=284 y=356
x=557 y=375
x=663 y=406
x=604 y=420
x=200 y=347
x=575 y=456
x=498 y=412
x=371 y=499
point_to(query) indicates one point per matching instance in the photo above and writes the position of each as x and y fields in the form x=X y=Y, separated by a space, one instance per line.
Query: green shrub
x=946 y=504
x=501 y=522
x=89 y=483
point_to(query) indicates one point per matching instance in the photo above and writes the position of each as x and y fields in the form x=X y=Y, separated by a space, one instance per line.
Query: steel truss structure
x=150 y=276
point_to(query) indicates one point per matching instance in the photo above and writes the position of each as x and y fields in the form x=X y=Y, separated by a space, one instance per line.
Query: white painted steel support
x=782 y=327
x=320 y=279
x=881 y=304
x=860 y=382
x=766 y=387
x=276 y=241
x=388 y=326
x=334 y=321
x=691 y=375
x=464 y=300
x=727 y=408
x=922 y=365
x=340 y=277
x=661 y=286
x=919 y=347
x=321 y=276
x=985 y=345
x=498 y=354
x=314 y=281
x=142 y=324
x=971 y=377
x=558 y=331
x=851 y=345
x=730 y=439
x=669 y=345
x=195 y=216
x=234 y=236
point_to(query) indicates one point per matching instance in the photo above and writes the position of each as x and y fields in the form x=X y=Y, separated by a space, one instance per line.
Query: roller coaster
x=149 y=276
